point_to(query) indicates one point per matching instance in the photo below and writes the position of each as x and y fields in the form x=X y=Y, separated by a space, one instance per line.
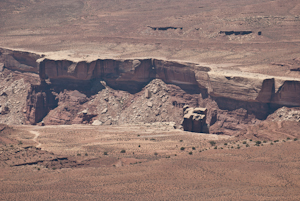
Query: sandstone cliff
x=246 y=95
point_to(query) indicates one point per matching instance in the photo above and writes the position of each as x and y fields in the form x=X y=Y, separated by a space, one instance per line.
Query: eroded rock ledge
x=257 y=94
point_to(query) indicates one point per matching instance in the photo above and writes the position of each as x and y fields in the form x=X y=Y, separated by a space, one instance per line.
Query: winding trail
x=35 y=137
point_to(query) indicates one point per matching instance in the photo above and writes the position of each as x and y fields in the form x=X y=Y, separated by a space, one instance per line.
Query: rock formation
x=194 y=119
x=73 y=84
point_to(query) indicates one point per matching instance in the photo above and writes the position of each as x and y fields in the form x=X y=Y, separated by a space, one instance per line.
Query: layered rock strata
x=258 y=94
x=194 y=119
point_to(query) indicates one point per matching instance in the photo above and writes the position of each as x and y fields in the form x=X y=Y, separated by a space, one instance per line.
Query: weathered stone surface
x=97 y=123
x=40 y=101
x=147 y=93
x=19 y=60
x=194 y=119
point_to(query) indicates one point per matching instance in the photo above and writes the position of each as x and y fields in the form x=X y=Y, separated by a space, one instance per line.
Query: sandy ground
x=153 y=166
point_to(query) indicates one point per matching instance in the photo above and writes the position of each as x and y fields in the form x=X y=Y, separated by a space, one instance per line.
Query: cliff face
x=40 y=101
x=19 y=60
x=256 y=94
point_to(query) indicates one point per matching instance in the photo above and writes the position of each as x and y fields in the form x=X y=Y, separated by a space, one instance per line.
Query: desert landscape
x=149 y=100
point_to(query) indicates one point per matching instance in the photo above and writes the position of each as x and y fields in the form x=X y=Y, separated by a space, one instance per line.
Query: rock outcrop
x=40 y=101
x=19 y=60
x=253 y=94
x=194 y=119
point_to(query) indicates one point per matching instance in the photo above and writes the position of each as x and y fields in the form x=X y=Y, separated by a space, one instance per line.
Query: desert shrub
x=231 y=147
x=221 y=147
x=250 y=140
x=180 y=140
x=212 y=143
x=78 y=154
x=168 y=156
x=139 y=145
x=257 y=143
x=247 y=145
x=152 y=139
x=288 y=138
x=105 y=153
x=182 y=148
x=264 y=141
x=39 y=169
x=238 y=147
x=276 y=140
x=271 y=143
x=244 y=142
x=138 y=135
x=20 y=142
x=225 y=143
x=193 y=148
x=190 y=152
x=86 y=154
x=155 y=153
x=123 y=151
x=215 y=147
x=295 y=139
x=54 y=168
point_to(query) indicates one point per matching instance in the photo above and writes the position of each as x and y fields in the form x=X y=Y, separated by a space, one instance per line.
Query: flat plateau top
x=265 y=38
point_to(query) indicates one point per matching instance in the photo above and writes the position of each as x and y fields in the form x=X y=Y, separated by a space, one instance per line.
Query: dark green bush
x=212 y=143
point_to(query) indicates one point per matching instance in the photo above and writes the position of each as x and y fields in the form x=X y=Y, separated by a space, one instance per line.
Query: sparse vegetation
x=295 y=139
x=276 y=140
x=215 y=147
x=20 y=142
x=250 y=140
x=247 y=145
x=225 y=143
x=288 y=138
x=193 y=148
x=257 y=143
x=244 y=142
x=155 y=153
x=271 y=143
x=78 y=154
x=138 y=135
x=86 y=154
x=264 y=141
x=139 y=145
x=180 y=140
x=105 y=153
x=182 y=148
x=212 y=143
x=123 y=151
x=190 y=152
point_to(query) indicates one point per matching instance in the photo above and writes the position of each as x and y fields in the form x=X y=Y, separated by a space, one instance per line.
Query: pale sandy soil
x=268 y=172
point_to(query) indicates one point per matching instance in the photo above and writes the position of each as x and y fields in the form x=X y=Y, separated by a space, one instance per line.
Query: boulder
x=194 y=119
